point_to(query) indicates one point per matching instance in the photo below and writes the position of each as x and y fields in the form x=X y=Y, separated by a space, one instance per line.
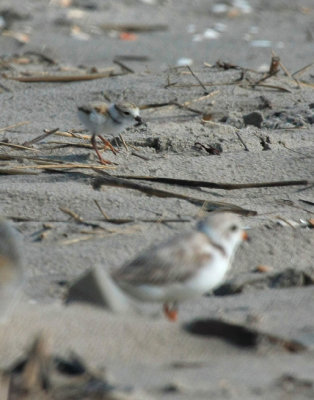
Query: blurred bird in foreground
x=185 y=267
x=12 y=274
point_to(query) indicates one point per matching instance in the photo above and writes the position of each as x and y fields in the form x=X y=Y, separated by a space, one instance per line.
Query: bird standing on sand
x=184 y=267
x=101 y=118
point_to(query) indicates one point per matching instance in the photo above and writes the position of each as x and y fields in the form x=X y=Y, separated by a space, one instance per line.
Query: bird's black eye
x=233 y=228
x=126 y=113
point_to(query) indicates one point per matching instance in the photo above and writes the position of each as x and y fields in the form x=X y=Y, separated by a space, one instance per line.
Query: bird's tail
x=96 y=287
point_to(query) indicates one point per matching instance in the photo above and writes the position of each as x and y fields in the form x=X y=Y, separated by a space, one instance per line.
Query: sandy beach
x=243 y=130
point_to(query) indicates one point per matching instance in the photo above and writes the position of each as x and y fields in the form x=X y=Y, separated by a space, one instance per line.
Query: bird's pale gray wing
x=172 y=261
x=95 y=106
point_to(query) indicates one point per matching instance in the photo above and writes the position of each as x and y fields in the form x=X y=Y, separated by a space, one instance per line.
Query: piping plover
x=184 y=267
x=11 y=270
x=108 y=119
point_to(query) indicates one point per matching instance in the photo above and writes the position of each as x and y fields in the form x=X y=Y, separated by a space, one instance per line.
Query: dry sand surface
x=254 y=337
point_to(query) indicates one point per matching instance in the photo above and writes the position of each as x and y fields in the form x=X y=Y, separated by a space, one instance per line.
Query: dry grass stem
x=64 y=166
x=211 y=94
x=134 y=153
x=62 y=78
x=68 y=242
x=7 y=128
x=72 y=214
x=123 y=142
x=99 y=234
x=40 y=137
x=14 y=171
x=73 y=135
x=69 y=144
x=123 y=66
x=197 y=79
x=101 y=210
x=134 y=27
x=18 y=146
x=302 y=70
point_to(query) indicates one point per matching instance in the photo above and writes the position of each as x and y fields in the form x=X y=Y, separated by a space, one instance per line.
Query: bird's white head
x=223 y=229
x=127 y=113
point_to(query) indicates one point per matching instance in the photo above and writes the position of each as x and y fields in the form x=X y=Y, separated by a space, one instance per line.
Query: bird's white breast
x=211 y=274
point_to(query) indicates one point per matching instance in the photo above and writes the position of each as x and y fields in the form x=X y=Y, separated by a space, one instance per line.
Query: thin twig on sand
x=215 y=185
x=109 y=180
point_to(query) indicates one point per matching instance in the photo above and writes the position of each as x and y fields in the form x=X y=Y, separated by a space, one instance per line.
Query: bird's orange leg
x=101 y=160
x=171 y=312
x=108 y=144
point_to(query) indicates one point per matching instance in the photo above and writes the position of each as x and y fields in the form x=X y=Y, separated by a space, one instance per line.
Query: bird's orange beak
x=245 y=236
